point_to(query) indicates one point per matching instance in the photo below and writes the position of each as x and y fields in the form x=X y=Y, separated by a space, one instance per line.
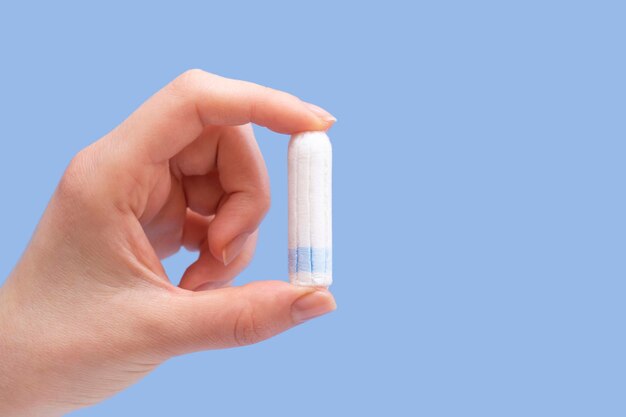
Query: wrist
x=21 y=370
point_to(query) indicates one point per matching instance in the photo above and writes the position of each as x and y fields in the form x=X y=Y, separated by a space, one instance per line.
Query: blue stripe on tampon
x=307 y=259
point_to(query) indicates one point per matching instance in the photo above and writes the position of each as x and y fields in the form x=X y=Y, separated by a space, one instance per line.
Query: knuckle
x=189 y=80
x=248 y=329
x=194 y=73
x=72 y=182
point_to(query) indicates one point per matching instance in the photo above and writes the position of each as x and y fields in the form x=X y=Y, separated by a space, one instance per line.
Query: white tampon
x=310 y=209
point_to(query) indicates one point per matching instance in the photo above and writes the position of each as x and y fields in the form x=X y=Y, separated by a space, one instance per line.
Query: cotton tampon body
x=310 y=209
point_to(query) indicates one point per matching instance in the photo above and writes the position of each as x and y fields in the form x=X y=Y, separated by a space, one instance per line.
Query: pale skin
x=89 y=309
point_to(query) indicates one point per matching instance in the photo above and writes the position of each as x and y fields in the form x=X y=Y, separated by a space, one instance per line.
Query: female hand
x=89 y=310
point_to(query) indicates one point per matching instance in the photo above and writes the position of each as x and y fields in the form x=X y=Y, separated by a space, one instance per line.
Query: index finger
x=176 y=115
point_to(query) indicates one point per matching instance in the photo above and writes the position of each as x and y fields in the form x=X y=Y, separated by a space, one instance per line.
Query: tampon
x=310 y=209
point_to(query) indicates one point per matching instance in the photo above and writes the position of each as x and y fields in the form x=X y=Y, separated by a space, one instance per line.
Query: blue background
x=479 y=210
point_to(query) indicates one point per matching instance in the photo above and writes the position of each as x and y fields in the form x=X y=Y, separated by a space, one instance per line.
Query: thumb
x=238 y=316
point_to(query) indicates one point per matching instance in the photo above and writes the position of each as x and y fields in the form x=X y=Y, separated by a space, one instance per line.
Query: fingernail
x=230 y=252
x=312 y=305
x=321 y=113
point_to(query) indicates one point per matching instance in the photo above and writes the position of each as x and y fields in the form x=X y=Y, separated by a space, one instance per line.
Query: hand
x=89 y=310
